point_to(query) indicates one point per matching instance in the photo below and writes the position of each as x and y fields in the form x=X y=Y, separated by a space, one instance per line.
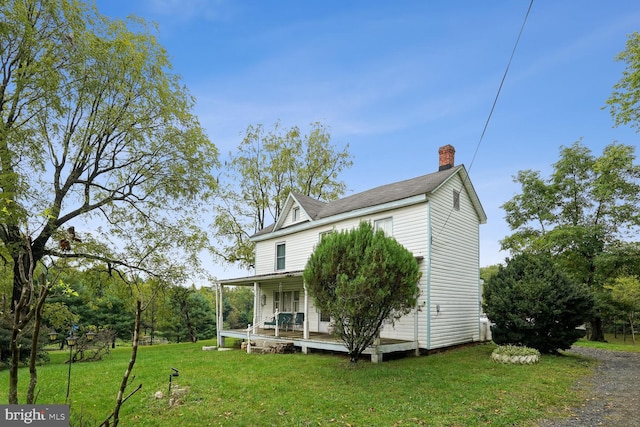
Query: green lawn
x=455 y=388
x=614 y=343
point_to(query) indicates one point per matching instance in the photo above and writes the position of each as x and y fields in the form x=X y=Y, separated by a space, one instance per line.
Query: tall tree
x=624 y=102
x=625 y=293
x=94 y=130
x=267 y=166
x=362 y=278
x=582 y=212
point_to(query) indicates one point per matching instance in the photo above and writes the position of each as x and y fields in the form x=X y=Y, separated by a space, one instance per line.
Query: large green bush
x=532 y=303
x=362 y=279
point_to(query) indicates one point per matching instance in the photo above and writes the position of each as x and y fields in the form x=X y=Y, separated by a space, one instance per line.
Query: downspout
x=429 y=254
x=480 y=286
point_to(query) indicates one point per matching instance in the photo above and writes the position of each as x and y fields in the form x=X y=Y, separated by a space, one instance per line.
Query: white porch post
x=305 y=323
x=256 y=305
x=220 y=319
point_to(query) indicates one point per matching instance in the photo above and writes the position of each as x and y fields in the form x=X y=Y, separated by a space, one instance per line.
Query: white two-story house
x=436 y=216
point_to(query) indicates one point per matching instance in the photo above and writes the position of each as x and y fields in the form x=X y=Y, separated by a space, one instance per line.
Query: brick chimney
x=447 y=154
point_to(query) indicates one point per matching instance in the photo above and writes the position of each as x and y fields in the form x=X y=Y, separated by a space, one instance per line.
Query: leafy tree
x=193 y=316
x=625 y=292
x=266 y=167
x=533 y=303
x=624 y=102
x=489 y=271
x=94 y=128
x=582 y=212
x=238 y=307
x=362 y=278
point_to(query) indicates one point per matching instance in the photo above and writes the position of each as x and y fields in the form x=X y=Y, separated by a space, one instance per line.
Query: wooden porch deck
x=321 y=341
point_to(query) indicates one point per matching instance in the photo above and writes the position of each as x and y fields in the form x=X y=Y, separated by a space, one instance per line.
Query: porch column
x=256 y=305
x=220 y=319
x=305 y=323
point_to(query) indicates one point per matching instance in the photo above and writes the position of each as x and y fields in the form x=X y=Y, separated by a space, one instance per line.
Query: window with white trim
x=456 y=200
x=385 y=224
x=280 y=256
x=286 y=301
x=295 y=214
x=323 y=234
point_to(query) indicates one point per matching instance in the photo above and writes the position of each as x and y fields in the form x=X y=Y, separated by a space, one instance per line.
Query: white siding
x=288 y=219
x=409 y=228
x=454 y=281
x=448 y=307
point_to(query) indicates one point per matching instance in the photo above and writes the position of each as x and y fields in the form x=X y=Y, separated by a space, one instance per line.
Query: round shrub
x=532 y=303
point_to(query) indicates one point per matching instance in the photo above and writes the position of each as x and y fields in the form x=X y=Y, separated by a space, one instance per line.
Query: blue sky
x=396 y=80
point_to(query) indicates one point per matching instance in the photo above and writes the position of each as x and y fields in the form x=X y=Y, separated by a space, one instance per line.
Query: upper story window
x=385 y=224
x=323 y=234
x=456 y=200
x=295 y=214
x=280 y=256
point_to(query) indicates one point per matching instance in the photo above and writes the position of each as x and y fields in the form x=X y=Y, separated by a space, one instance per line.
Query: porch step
x=263 y=347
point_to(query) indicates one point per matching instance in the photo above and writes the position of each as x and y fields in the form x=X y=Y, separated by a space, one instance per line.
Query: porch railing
x=253 y=328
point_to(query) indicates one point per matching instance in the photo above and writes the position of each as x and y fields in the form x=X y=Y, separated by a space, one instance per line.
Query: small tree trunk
x=127 y=373
x=597 y=334
x=633 y=333
x=33 y=378
x=13 y=367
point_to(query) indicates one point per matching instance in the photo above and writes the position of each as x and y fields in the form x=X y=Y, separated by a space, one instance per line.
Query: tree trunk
x=33 y=379
x=597 y=334
x=21 y=314
x=633 y=332
x=192 y=333
x=125 y=378
x=13 y=368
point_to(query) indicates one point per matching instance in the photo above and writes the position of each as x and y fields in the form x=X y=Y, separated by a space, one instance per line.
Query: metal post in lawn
x=71 y=341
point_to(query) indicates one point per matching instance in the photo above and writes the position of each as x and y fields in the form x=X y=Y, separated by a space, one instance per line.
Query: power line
x=493 y=106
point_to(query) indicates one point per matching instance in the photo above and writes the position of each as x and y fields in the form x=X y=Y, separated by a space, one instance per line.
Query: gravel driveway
x=614 y=392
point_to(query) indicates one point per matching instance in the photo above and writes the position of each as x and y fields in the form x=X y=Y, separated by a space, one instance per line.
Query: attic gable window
x=295 y=214
x=280 y=256
x=456 y=200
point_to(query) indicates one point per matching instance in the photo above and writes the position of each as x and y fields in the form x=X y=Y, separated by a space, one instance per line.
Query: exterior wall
x=407 y=225
x=289 y=218
x=449 y=306
x=453 y=308
x=410 y=225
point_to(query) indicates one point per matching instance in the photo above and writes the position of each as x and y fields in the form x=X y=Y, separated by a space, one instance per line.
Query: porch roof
x=285 y=277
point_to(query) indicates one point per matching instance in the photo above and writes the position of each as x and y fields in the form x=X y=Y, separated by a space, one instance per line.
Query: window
x=296 y=302
x=276 y=301
x=286 y=301
x=280 y=254
x=385 y=225
x=456 y=200
x=295 y=215
x=323 y=234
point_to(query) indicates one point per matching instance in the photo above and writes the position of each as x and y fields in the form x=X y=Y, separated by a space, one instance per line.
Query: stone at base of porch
x=264 y=347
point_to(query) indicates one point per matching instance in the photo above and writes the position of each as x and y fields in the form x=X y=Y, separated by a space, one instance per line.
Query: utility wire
x=493 y=106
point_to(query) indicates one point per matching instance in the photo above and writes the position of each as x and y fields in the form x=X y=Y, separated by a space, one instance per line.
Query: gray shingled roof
x=384 y=194
x=310 y=205
x=387 y=193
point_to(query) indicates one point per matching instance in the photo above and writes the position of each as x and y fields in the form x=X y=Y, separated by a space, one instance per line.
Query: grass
x=614 y=343
x=460 y=387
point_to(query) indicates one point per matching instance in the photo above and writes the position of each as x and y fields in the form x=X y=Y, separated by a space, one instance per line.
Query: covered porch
x=319 y=341
x=283 y=313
